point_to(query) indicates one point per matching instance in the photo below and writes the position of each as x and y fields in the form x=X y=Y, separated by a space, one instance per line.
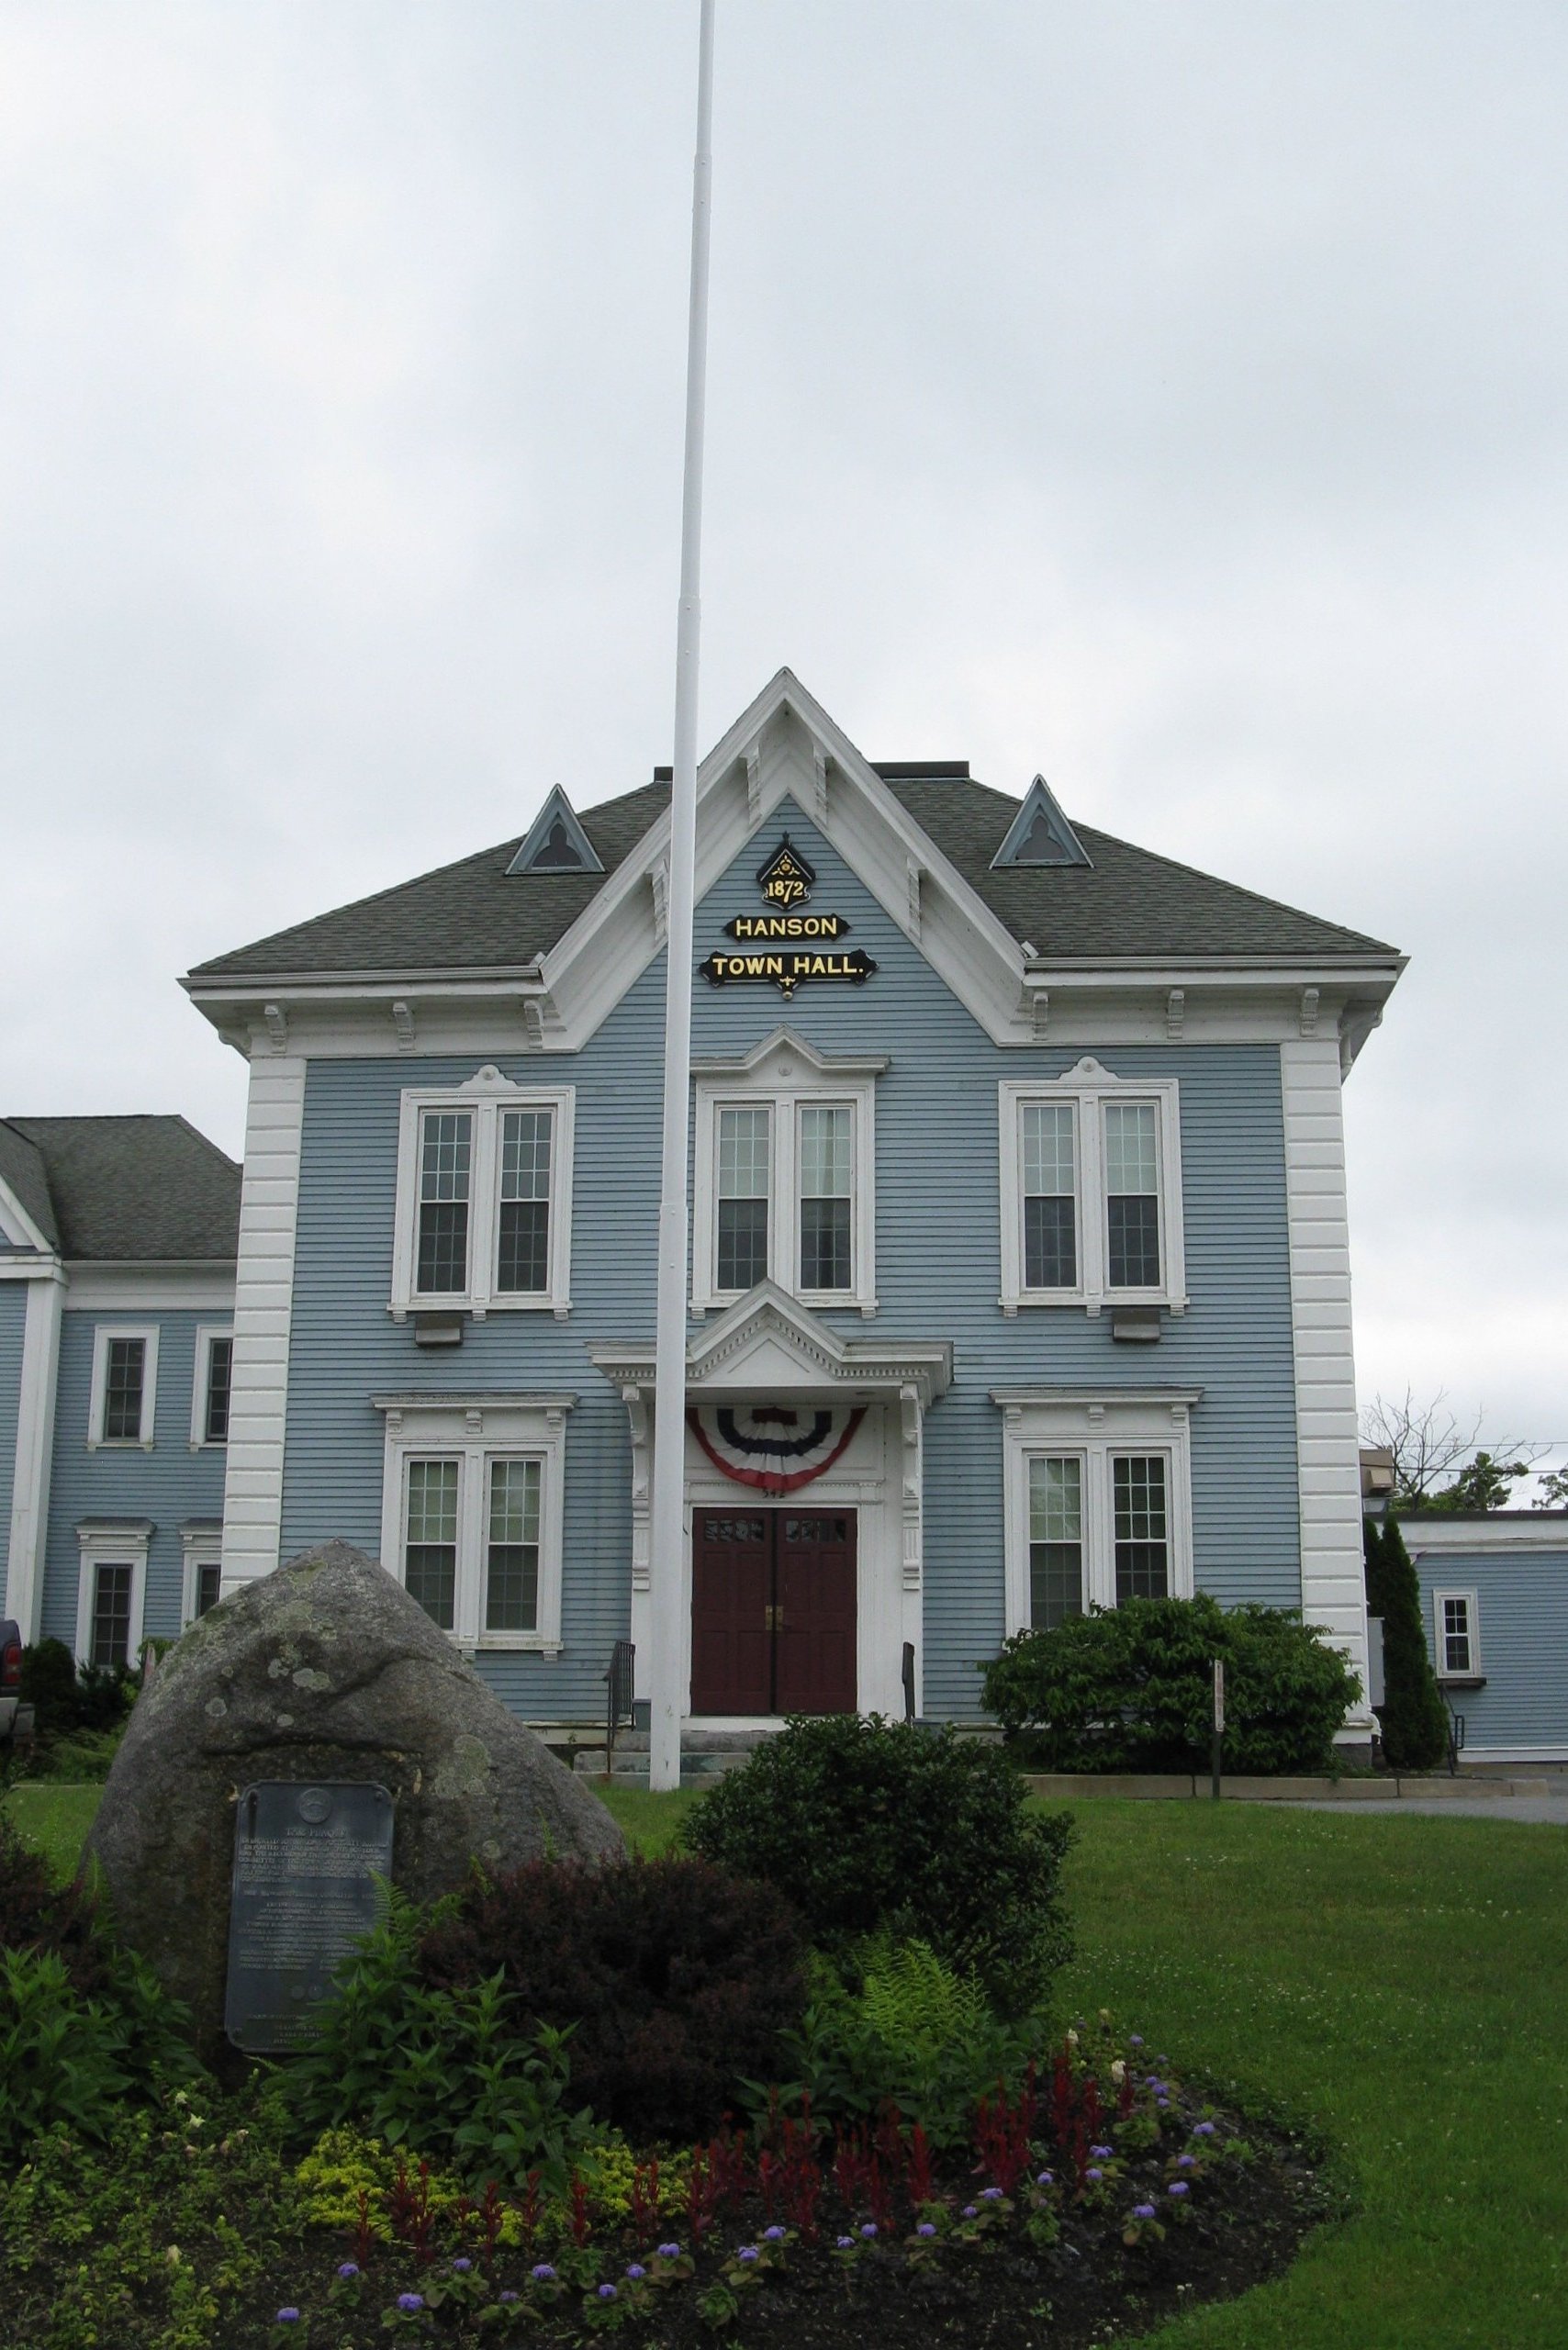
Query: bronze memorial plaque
x=307 y=1864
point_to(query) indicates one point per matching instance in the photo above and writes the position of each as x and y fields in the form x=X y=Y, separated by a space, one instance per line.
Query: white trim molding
x=201 y=1539
x=111 y=1542
x=484 y=1097
x=35 y=1453
x=473 y=1431
x=201 y=1383
x=1086 y=1089
x=1094 y=1425
x=784 y=1074
x=263 y=1304
x=1333 y=1580
x=1469 y=1598
x=103 y=1337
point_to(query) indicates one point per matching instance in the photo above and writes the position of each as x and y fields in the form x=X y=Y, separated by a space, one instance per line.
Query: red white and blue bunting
x=777 y=1448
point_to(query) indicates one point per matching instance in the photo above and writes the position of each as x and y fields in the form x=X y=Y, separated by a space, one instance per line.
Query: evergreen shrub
x=1413 y=1719
x=67 y=1697
x=675 y=1980
x=1131 y=1688
x=869 y=1825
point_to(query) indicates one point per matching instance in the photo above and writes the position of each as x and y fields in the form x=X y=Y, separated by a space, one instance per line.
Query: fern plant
x=916 y=2006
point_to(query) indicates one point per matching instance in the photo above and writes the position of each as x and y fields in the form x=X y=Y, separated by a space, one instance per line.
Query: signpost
x=308 y=1862
x=1218 y=1728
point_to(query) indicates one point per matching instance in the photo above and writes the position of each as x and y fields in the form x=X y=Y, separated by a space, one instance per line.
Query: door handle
x=773 y=1619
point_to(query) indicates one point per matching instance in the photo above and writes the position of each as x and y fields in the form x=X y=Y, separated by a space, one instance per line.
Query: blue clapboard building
x=1019 y=1275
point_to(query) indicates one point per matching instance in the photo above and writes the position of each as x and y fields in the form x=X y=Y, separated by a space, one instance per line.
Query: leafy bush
x=1413 y=1719
x=915 y=2034
x=867 y=1825
x=67 y=1697
x=66 y=2059
x=673 y=1979
x=1131 y=1688
x=37 y=1915
x=454 y=2073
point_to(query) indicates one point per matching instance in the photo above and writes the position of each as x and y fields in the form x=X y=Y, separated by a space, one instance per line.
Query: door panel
x=732 y=1583
x=773 y=1611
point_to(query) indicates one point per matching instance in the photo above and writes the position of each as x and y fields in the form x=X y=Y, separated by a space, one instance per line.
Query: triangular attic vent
x=556 y=843
x=1039 y=834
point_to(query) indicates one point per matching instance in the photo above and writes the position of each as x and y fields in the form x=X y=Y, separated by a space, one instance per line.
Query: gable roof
x=136 y=1189
x=1126 y=904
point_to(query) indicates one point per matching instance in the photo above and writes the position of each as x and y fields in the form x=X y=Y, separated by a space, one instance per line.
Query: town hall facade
x=1019 y=1268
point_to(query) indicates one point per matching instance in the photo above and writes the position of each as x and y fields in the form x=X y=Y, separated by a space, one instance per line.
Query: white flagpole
x=667 y=1561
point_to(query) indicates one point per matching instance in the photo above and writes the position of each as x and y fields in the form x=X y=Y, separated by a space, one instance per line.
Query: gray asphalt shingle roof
x=1128 y=902
x=137 y=1189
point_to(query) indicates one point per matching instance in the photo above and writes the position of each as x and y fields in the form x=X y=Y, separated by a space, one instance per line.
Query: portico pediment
x=768 y=1344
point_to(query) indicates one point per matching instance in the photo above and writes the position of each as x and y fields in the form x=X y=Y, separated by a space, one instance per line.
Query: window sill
x=404 y=1309
x=119 y=1444
x=1461 y=1681
x=509 y=1644
x=838 y=1301
x=210 y=1444
x=1107 y=1302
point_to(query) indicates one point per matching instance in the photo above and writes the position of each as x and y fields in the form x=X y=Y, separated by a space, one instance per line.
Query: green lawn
x=1401 y=1984
x=54 y=1817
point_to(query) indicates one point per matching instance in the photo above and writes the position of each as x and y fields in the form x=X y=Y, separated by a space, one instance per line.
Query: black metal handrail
x=1456 y=1741
x=619 y=1683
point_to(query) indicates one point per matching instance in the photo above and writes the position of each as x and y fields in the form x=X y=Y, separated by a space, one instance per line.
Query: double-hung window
x=1455 y=1622
x=1098 y=1500
x=785 y=1173
x=484 y=1198
x=1090 y=1191
x=110 y=1589
x=212 y=1387
x=471 y=1513
x=123 y=1404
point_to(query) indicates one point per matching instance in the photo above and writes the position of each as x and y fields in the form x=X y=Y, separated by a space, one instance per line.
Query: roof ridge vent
x=555 y=842
x=1040 y=833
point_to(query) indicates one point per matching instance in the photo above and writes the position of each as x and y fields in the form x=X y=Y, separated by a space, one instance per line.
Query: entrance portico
x=769 y=1353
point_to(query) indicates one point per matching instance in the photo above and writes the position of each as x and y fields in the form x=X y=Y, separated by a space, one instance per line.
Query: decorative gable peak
x=1039 y=834
x=555 y=842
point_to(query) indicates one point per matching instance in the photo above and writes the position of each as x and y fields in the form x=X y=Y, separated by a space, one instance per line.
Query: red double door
x=773 y=1611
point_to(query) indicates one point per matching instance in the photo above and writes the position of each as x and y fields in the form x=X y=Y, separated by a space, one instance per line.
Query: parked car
x=16 y=1719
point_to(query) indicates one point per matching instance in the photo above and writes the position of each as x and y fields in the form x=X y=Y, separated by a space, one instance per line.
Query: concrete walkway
x=1541 y=1810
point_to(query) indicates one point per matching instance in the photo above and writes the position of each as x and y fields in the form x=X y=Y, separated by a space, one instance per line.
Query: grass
x=1397 y=1983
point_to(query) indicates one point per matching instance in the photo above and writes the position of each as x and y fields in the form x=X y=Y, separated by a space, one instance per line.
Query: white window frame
x=1096 y=1427
x=786 y=1079
x=1088 y=1087
x=1473 y=1621
x=201 y=1381
x=112 y=1543
x=203 y=1548
x=473 y=1430
x=148 y=1333
x=486 y=1094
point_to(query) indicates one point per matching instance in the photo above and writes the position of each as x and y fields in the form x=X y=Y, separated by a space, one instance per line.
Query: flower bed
x=1095 y=2193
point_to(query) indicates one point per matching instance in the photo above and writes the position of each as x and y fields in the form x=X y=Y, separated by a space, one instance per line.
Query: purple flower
x=747 y=2252
x=607 y=2293
x=544 y=2274
x=1143 y=2210
x=1185 y=2162
x=349 y=2268
x=773 y=2235
x=287 y=2317
x=1203 y=2129
x=669 y=2252
x=410 y=2303
x=636 y=2272
x=1163 y=2103
x=846 y=2243
x=509 y=2297
x=1135 y=2040
x=1102 y=2153
x=461 y=2267
x=927 y=2228
x=1178 y=2187
x=1093 y=2173
x=1047 y=2178
x=991 y=2194
x=869 y=2228
x=971 y=2210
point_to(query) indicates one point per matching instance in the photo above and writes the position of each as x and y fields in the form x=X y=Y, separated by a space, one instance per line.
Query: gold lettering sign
x=784 y=881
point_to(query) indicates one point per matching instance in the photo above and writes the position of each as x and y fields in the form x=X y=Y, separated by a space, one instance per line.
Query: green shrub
x=70 y=2061
x=37 y=1915
x=66 y=1698
x=461 y=2075
x=1131 y=1688
x=1413 y=1719
x=872 y=1825
x=675 y=1978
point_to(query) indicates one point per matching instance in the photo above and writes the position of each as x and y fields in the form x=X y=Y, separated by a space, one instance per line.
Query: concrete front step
x=631 y=1768
x=695 y=1740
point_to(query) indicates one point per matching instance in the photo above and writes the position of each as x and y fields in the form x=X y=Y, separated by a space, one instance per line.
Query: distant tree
x=1554 y=1493
x=1412 y=1718
x=1430 y=1445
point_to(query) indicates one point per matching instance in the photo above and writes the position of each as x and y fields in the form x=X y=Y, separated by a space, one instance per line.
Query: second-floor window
x=1090 y=1191
x=484 y=1198
x=213 y=1383
x=123 y=1405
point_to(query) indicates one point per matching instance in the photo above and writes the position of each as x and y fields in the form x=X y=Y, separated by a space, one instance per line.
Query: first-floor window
x=430 y=1554
x=1457 y=1643
x=471 y=1513
x=1142 y=1530
x=208 y=1586
x=109 y=1642
x=1056 y=1540
x=512 y=1551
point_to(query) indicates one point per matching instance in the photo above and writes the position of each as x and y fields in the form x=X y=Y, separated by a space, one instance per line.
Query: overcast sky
x=1168 y=398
